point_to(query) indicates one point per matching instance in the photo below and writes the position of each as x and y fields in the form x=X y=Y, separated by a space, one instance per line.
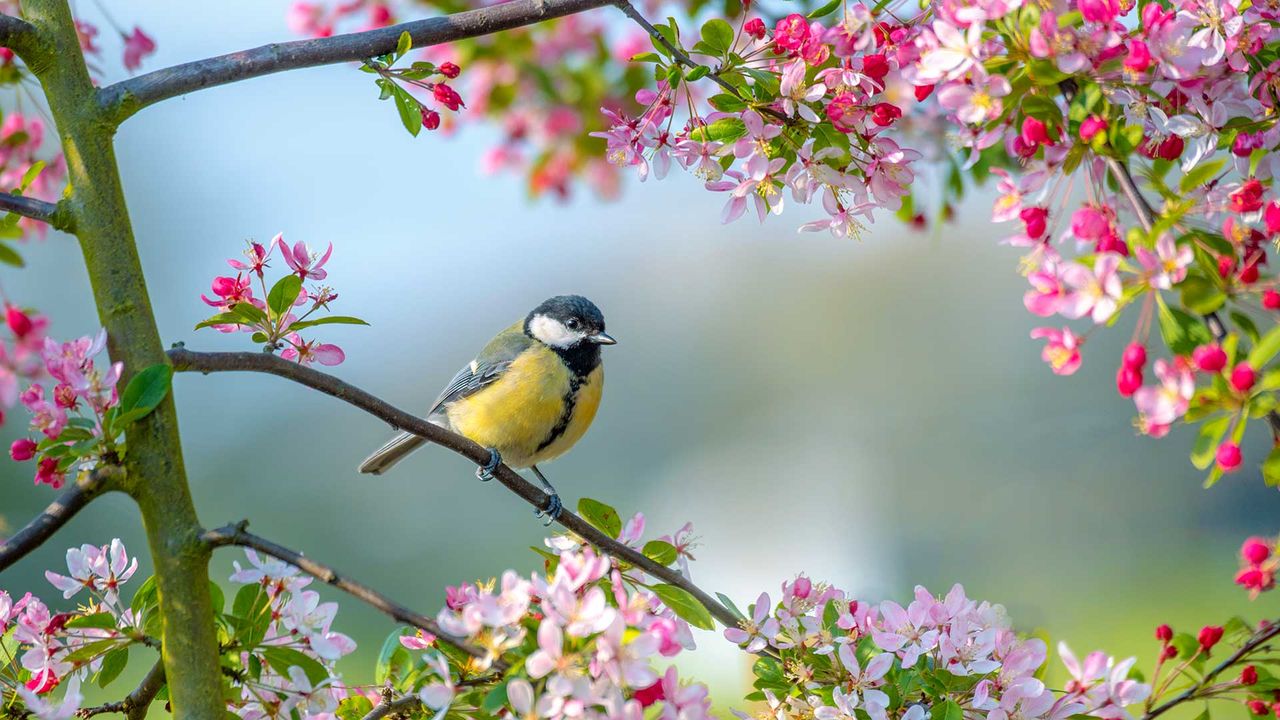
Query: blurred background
x=869 y=412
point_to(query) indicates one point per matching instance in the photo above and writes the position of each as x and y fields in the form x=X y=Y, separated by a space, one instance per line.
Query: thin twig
x=383 y=709
x=134 y=705
x=72 y=500
x=629 y=10
x=1259 y=639
x=58 y=215
x=187 y=361
x=236 y=534
x=127 y=97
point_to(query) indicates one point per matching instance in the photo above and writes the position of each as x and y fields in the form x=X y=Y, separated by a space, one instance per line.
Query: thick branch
x=236 y=534
x=1258 y=640
x=187 y=361
x=17 y=34
x=383 y=709
x=71 y=501
x=135 y=704
x=129 y=96
x=57 y=215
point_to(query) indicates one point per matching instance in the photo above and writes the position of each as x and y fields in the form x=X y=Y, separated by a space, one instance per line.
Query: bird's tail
x=393 y=452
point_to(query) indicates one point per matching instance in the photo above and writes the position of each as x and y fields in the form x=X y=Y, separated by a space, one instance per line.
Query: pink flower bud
x=1209 y=358
x=1164 y=634
x=649 y=695
x=1035 y=220
x=1243 y=377
x=1272 y=217
x=1256 y=579
x=1258 y=707
x=1271 y=299
x=791 y=32
x=1139 y=57
x=1135 y=356
x=1209 y=636
x=755 y=28
x=22 y=449
x=1256 y=551
x=1228 y=457
x=1249 y=675
x=1247 y=198
x=885 y=114
x=1090 y=223
x=18 y=321
x=430 y=119
x=1169 y=653
x=802 y=587
x=1128 y=380
x=1036 y=133
x=1091 y=126
x=449 y=70
x=447 y=96
x=876 y=67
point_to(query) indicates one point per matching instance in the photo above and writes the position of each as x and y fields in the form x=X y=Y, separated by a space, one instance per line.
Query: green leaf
x=1266 y=349
x=718 y=34
x=330 y=320
x=283 y=294
x=1043 y=109
x=113 y=664
x=31 y=174
x=495 y=700
x=949 y=710
x=768 y=669
x=1182 y=332
x=1210 y=437
x=725 y=102
x=1271 y=468
x=1245 y=323
x=661 y=552
x=826 y=10
x=226 y=318
x=394 y=661
x=1201 y=295
x=410 y=111
x=684 y=605
x=145 y=392
x=603 y=517
x=354 y=707
x=1200 y=174
x=89 y=651
x=646 y=57
x=9 y=256
x=404 y=44
x=145 y=597
x=250 y=312
x=698 y=73
x=99 y=621
x=722 y=130
x=727 y=602
x=282 y=658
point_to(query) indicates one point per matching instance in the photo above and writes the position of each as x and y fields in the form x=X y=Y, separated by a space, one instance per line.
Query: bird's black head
x=567 y=321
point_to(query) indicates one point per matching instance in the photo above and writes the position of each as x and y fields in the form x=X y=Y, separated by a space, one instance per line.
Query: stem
x=385 y=708
x=125 y=98
x=1259 y=639
x=72 y=500
x=186 y=361
x=235 y=534
x=58 y=215
x=155 y=476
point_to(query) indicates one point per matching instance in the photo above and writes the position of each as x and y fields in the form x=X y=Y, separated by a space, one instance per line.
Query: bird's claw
x=485 y=472
x=554 y=508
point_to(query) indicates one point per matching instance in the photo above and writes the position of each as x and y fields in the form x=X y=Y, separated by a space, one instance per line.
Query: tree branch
x=1259 y=639
x=134 y=705
x=58 y=215
x=72 y=500
x=187 y=361
x=236 y=534
x=17 y=34
x=125 y=98
x=383 y=709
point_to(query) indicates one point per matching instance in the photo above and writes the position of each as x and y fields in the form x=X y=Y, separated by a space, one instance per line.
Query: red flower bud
x=1036 y=133
x=1209 y=636
x=1256 y=551
x=1271 y=299
x=1135 y=356
x=1228 y=458
x=1249 y=675
x=1035 y=220
x=755 y=28
x=1209 y=358
x=1248 y=198
x=447 y=96
x=1164 y=634
x=449 y=70
x=22 y=449
x=885 y=114
x=923 y=91
x=1272 y=217
x=19 y=322
x=1170 y=652
x=1128 y=380
x=430 y=119
x=1243 y=377
x=1258 y=707
x=1091 y=126
x=650 y=695
x=876 y=67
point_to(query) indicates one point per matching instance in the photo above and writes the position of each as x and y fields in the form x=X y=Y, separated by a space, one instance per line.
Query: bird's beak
x=602 y=339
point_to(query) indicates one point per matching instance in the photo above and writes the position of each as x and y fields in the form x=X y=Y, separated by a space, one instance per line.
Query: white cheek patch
x=552 y=332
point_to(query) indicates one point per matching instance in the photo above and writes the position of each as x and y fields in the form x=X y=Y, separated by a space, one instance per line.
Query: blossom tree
x=1163 y=113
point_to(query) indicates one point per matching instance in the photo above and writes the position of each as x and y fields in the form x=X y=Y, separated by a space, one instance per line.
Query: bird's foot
x=554 y=508
x=485 y=472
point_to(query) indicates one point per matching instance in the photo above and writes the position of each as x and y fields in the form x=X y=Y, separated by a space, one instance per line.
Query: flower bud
x=1135 y=356
x=1249 y=675
x=1036 y=133
x=885 y=114
x=1228 y=458
x=449 y=70
x=1256 y=551
x=755 y=28
x=1035 y=220
x=1091 y=126
x=802 y=587
x=1128 y=380
x=1209 y=358
x=1170 y=652
x=1164 y=634
x=1209 y=636
x=647 y=696
x=1271 y=216
x=22 y=449
x=1243 y=377
x=923 y=91
x=1258 y=707
x=1271 y=299
x=19 y=322
x=430 y=119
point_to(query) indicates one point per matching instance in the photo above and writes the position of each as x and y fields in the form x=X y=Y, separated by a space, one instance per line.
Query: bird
x=527 y=398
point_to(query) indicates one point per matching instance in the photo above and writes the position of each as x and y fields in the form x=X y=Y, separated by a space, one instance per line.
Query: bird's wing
x=486 y=368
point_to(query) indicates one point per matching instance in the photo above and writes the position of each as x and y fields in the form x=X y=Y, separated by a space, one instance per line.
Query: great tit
x=529 y=395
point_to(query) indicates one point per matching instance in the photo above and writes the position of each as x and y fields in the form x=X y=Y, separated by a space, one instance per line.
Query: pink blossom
x=303 y=262
x=1160 y=405
x=1061 y=350
x=137 y=46
x=758 y=631
x=305 y=352
x=956 y=53
x=975 y=103
x=1167 y=266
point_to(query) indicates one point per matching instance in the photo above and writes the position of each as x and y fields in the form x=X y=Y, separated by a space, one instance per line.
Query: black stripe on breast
x=570 y=402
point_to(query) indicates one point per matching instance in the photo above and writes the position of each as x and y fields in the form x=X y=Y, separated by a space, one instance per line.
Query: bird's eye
x=573 y=323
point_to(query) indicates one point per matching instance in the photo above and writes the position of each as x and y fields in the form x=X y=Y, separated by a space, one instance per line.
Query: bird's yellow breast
x=535 y=412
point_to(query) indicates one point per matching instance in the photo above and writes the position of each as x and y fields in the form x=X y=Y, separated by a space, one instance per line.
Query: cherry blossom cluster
x=287 y=649
x=51 y=649
x=72 y=417
x=1259 y=561
x=585 y=640
x=278 y=316
x=827 y=655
